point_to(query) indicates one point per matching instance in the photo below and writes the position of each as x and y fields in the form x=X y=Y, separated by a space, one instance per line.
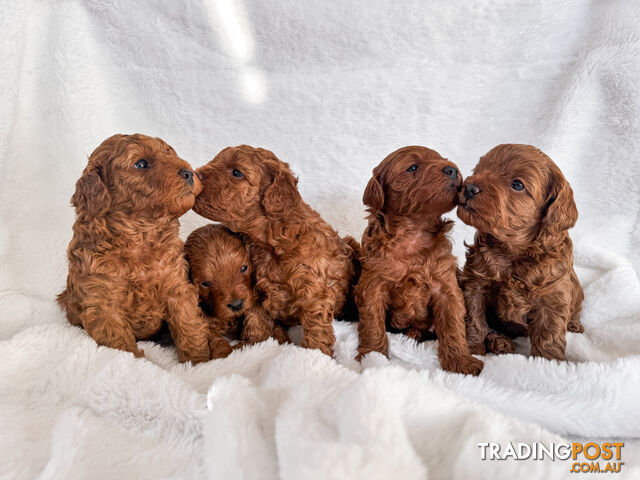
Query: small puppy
x=303 y=269
x=519 y=277
x=221 y=268
x=127 y=272
x=408 y=279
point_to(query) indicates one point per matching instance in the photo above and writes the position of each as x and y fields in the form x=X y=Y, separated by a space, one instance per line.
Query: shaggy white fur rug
x=331 y=87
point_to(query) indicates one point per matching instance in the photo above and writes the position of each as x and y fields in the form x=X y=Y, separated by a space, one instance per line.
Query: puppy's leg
x=258 y=326
x=219 y=347
x=316 y=318
x=107 y=328
x=371 y=296
x=280 y=334
x=548 y=328
x=449 y=323
x=577 y=297
x=189 y=329
x=475 y=299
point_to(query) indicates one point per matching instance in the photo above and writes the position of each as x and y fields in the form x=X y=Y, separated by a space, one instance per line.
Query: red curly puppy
x=127 y=272
x=408 y=280
x=519 y=277
x=220 y=265
x=303 y=269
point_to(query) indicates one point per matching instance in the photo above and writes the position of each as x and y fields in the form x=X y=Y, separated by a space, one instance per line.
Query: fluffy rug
x=331 y=87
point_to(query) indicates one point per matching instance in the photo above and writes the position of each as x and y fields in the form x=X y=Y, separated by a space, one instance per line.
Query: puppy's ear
x=374 y=193
x=561 y=212
x=92 y=196
x=282 y=194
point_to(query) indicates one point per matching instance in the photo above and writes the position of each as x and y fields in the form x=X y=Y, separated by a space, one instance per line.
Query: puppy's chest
x=415 y=258
x=143 y=265
x=280 y=280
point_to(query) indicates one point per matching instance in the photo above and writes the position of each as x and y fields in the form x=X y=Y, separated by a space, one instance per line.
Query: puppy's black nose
x=236 y=305
x=471 y=190
x=187 y=175
x=451 y=172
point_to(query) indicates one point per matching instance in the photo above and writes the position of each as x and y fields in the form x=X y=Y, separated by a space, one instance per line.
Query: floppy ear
x=282 y=194
x=561 y=213
x=91 y=197
x=374 y=194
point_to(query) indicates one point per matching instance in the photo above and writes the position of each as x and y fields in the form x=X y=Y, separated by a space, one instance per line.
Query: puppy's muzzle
x=470 y=191
x=236 y=305
x=451 y=172
x=187 y=175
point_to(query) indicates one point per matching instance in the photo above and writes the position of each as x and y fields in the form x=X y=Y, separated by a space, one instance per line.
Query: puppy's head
x=243 y=183
x=413 y=180
x=135 y=174
x=517 y=194
x=219 y=264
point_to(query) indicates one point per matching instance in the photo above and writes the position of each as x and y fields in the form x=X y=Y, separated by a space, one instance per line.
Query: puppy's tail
x=350 y=309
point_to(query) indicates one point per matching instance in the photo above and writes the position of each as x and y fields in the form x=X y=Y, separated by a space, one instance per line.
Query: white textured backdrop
x=331 y=88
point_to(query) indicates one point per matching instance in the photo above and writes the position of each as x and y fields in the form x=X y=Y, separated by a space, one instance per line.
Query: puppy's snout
x=236 y=305
x=187 y=175
x=451 y=172
x=470 y=191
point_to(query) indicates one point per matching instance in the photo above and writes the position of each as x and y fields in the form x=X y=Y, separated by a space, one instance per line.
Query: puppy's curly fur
x=303 y=269
x=519 y=277
x=220 y=266
x=408 y=279
x=127 y=272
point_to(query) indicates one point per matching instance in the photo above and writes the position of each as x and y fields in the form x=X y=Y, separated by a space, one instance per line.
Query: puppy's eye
x=244 y=268
x=141 y=164
x=517 y=185
x=412 y=168
x=237 y=174
x=205 y=284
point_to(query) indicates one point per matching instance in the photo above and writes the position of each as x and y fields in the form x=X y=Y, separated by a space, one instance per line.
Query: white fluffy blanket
x=331 y=87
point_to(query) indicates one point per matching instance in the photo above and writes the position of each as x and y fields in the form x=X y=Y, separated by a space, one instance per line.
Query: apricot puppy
x=221 y=268
x=303 y=269
x=408 y=280
x=127 y=272
x=519 y=277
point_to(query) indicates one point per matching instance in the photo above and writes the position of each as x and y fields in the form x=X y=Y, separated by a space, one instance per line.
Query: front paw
x=414 y=333
x=498 y=343
x=138 y=353
x=281 y=335
x=254 y=336
x=478 y=349
x=465 y=366
x=363 y=350
x=219 y=347
x=575 y=327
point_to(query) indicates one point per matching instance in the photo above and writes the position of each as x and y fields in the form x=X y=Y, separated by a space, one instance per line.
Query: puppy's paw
x=498 y=343
x=220 y=348
x=575 y=327
x=466 y=366
x=414 y=333
x=362 y=351
x=138 y=353
x=193 y=356
x=281 y=335
x=478 y=349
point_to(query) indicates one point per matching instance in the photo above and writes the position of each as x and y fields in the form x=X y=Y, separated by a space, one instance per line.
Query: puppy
x=519 y=277
x=221 y=268
x=303 y=269
x=408 y=279
x=127 y=272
